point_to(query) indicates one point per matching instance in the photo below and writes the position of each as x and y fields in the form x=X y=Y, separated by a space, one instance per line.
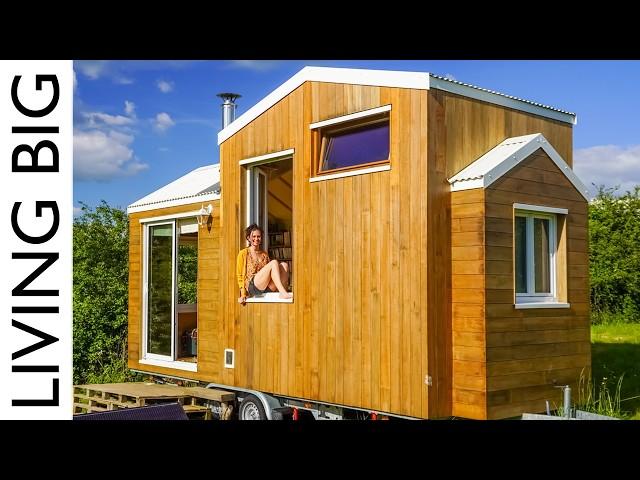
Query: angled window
x=355 y=147
x=353 y=142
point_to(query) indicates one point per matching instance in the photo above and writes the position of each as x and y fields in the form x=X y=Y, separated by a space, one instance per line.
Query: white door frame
x=145 y=290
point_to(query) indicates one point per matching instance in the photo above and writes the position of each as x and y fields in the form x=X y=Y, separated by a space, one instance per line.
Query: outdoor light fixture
x=203 y=214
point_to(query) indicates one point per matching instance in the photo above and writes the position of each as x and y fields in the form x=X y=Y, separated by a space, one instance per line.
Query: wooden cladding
x=475 y=127
x=356 y=332
x=403 y=296
x=468 y=304
x=530 y=351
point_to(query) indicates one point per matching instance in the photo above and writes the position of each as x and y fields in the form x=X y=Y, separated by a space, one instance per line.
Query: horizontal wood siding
x=356 y=333
x=468 y=304
x=529 y=352
x=209 y=353
x=475 y=127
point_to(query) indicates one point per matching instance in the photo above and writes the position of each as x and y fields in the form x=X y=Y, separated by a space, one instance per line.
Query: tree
x=100 y=294
x=614 y=254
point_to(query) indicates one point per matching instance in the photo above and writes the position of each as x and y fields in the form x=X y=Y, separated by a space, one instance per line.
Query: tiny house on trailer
x=437 y=242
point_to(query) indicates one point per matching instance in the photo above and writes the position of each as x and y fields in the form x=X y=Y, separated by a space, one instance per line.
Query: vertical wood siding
x=356 y=333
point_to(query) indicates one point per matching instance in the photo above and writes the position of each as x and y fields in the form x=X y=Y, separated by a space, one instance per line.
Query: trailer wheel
x=251 y=409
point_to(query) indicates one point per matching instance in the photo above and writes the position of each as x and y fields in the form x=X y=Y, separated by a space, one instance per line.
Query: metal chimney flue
x=228 y=107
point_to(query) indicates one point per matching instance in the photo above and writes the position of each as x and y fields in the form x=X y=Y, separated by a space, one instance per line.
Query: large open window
x=269 y=203
x=170 y=273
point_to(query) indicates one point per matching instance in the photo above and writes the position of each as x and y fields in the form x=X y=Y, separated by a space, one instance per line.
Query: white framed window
x=352 y=144
x=535 y=257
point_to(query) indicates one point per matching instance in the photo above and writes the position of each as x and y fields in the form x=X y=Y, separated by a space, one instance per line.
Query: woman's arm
x=241 y=268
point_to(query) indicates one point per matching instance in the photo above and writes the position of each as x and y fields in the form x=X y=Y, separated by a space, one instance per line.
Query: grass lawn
x=616 y=350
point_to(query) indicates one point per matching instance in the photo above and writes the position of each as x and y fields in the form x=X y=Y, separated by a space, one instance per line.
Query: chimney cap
x=229 y=96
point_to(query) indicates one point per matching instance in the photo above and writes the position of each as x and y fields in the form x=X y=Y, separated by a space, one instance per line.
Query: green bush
x=100 y=294
x=614 y=256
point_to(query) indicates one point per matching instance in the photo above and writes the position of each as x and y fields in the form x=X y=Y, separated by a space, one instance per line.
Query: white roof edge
x=350 y=76
x=483 y=177
x=391 y=78
x=497 y=98
x=205 y=197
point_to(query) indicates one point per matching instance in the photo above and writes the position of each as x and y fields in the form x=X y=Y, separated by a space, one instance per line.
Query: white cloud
x=163 y=122
x=123 y=72
x=608 y=165
x=96 y=118
x=75 y=81
x=256 y=65
x=163 y=149
x=92 y=69
x=122 y=80
x=129 y=108
x=164 y=86
x=449 y=76
x=99 y=155
x=77 y=211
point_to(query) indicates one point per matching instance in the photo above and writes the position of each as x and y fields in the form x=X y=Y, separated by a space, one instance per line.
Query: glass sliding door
x=160 y=288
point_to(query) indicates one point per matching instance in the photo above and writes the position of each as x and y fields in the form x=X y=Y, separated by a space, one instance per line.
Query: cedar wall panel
x=468 y=304
x=356 y=333
x=475 y=127
x=437 y=303
x=209 y=324
x=531 y=351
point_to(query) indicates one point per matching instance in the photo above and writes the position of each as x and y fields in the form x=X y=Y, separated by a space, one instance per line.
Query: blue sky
x=139 y=125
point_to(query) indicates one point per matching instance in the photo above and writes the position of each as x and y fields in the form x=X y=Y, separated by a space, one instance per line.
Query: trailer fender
x=268 y=402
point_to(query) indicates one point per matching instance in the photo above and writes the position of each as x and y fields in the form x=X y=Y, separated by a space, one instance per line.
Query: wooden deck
x=196 y=401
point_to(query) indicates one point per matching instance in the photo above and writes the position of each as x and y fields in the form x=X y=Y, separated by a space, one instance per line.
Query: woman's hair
x=250 y=229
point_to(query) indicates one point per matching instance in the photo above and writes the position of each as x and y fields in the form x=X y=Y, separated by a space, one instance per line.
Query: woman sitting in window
x=256 y=274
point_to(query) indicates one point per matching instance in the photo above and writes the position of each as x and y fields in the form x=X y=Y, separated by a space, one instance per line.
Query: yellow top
x=244 y=276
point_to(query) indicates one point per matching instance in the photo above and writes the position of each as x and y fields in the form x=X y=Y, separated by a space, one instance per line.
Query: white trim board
x=351 y=116
x=539 y=208
x=519 y=306
x=269 y=157
x=188 y=366
x=194 y=213
x=271 y=297
x=350 y=173
x=505 y=156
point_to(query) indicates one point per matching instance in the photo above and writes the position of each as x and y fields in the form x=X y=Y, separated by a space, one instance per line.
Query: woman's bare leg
x=284 y=277
x=271 y=273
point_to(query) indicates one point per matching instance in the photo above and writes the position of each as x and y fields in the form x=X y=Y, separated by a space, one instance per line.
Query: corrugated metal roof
x=199 y=184
x=493 y=92
x=494 y=157
x=505 y=156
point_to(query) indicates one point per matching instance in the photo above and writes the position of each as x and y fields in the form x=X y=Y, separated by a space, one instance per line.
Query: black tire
x=251 y=409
